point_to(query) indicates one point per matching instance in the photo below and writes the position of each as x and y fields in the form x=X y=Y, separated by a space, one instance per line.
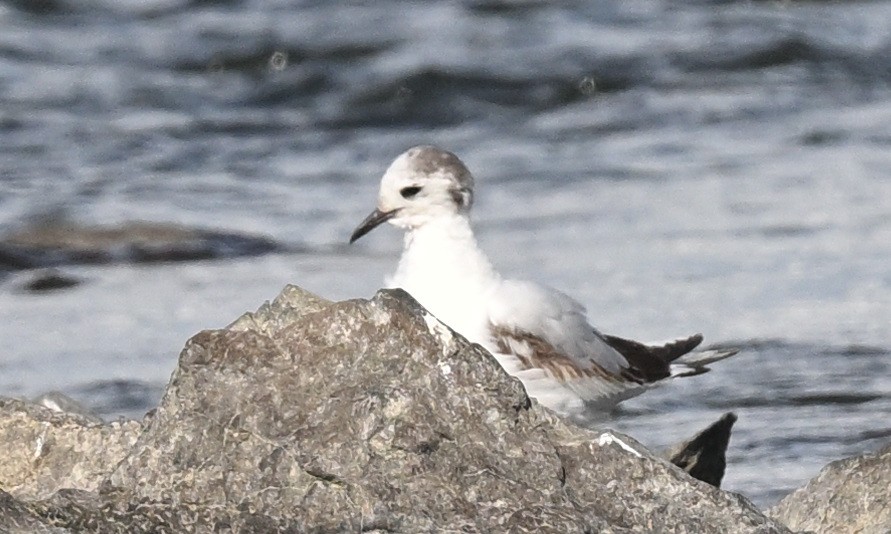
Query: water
x=679 y=167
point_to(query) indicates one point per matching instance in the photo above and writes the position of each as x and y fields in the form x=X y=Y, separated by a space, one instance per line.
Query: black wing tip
x=677 y=348
x=728 y=418
x=704 y=455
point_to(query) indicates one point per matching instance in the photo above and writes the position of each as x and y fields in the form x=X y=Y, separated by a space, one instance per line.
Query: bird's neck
x=444 y=269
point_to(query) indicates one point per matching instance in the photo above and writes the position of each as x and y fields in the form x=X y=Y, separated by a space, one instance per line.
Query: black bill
x=376 y=218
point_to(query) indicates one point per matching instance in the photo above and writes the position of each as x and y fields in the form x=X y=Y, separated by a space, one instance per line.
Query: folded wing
x=542 y=336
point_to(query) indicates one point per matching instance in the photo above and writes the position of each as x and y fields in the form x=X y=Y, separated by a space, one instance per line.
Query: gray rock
x=851 y=495
x=44 y=450
x=79 y=511
x=373 y=416
x=17 y=517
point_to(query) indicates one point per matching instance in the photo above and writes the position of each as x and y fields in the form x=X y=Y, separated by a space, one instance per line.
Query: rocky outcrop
x=851 y=495
x=365 y=416
x=44 y=450
x=17 y=517
x=57 y=243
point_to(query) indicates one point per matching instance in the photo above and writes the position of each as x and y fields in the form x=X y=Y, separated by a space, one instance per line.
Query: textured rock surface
x=77 y=511
x=17 y=517
x=45 y=450
x=851 y=495
x=371 y=415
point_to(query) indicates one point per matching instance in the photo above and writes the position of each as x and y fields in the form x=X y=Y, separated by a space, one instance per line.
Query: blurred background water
x=678 y=166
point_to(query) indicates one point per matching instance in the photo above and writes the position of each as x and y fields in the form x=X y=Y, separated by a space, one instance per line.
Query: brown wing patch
x=652 y=362
x=534 y=352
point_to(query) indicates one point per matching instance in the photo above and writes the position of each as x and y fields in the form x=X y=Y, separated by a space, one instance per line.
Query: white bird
x=538 y=334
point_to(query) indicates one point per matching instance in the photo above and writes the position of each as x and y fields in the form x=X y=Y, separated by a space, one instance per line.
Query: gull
x=538 y=334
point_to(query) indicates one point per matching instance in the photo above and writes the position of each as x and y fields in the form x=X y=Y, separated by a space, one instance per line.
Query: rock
x=373 y=416
x=80 y=511
x=704 y=456
x=851 y=495
x=44 y=450
x=45 y=280
x=55 y=243
x=17 y=517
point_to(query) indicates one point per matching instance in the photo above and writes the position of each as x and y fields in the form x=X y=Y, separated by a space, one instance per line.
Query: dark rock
x=49 y=280
x=371 y=415
x=704 y=456
x=851 y=495
x=51 y=244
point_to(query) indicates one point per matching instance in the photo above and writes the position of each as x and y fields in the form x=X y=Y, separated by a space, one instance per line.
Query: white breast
x=443 y=269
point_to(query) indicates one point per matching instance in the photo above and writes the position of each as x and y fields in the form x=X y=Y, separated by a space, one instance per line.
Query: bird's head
x=422 y=184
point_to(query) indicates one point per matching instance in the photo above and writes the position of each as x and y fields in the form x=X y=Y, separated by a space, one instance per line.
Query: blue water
x=678 y=167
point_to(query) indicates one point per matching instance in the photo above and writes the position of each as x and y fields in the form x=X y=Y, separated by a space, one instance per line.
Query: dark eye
x=409 y=192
